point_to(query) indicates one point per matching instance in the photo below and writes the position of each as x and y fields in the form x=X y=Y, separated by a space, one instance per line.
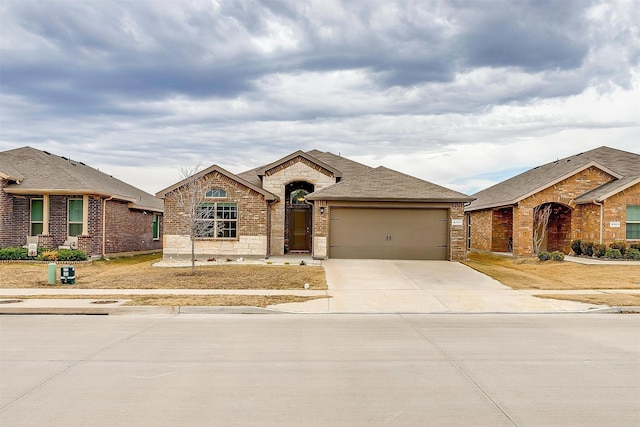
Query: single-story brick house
x=592 y=196
x=57 y=201
x=318 y=203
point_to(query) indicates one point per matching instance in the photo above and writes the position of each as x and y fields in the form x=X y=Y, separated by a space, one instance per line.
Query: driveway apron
x=391 y=286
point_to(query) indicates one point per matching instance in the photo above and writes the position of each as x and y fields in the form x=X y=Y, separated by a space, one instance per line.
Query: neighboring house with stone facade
x=593 y=196
x=322 y=204
x=56 y=201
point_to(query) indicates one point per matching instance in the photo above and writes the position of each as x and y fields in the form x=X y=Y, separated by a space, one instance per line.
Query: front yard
x=530 y=273
x=138 y=273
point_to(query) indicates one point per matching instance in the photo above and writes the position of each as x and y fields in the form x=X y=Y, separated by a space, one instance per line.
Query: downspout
x=601 y=217
x=269 y=204
x=104 y=224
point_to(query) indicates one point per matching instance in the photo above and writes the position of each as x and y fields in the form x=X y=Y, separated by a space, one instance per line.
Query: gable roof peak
x=263 y=170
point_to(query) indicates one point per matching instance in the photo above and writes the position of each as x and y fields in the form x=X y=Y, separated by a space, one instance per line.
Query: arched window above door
x=297 y=197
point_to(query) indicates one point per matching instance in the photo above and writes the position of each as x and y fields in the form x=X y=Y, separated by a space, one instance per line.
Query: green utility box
x=68 y=275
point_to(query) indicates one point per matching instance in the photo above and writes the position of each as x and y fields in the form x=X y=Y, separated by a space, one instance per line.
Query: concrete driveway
x=389 y=286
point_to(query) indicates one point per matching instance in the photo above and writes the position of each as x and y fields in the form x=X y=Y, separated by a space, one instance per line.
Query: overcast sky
x=460 y=93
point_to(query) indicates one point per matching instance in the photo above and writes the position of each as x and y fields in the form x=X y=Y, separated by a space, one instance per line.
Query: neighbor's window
x=633 y=222
x=219 y=220
x=156 y=226
x=297 y=197
x=37 y=216
x=215 y=193
x=75 y=217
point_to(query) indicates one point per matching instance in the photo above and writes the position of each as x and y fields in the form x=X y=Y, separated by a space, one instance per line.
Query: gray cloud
x=242 y=80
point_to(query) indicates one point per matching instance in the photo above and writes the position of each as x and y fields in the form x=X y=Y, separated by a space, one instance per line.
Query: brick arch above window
x=215 y=193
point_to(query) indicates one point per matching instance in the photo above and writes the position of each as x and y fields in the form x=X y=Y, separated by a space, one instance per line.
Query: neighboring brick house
x=56 y=200
x=317 y=203
x=592 y=196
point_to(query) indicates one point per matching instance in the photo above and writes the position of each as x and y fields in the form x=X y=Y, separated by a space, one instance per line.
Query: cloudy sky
x=463 y=93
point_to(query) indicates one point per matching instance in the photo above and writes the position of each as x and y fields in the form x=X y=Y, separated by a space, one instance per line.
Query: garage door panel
x=389 y=233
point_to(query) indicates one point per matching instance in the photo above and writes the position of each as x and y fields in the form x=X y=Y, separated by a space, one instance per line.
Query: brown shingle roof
x=389 y=185
x=215 y=168
x=624 y=166
x=43 y=172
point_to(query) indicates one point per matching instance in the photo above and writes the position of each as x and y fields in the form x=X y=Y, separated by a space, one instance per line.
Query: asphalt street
x=285 y=369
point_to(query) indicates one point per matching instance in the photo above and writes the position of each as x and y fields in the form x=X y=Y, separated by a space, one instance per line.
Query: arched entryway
x=297 y=232
x=552 y=228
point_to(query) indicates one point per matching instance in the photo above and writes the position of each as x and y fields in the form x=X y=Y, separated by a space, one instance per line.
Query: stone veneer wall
x=275 y=181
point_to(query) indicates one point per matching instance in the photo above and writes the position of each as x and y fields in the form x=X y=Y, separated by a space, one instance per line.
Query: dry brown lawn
x=612 y=300
x=530 y=273
x=186 y=300
x=138 y=273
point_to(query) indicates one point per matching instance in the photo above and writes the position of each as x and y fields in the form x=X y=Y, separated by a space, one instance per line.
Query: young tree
x=541 y=215
x=190 y=198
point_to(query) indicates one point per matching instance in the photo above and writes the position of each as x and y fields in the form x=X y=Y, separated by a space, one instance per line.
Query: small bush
x=557 y=256
x=613 y=253
x=599 y=250
x=48 y=256
x=575 y=247
x=621 y=246
x=16 y=254
x=71 y=255
x=13 y=253
x=635 y=246
x=544 y=256
x=632 y=253
x=586 y=248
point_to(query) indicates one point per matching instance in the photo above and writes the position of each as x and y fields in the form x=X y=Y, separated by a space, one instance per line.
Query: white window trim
x=31 y=222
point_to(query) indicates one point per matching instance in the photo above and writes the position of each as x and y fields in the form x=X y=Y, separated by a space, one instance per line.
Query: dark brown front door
x=300 y=230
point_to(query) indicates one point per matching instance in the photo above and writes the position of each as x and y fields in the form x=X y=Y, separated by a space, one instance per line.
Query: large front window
x=37 y=217
x=219 y=220
x=75 y=217
x=633 y=222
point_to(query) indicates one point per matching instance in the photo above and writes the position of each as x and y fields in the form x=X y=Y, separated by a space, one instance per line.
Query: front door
x=300 y=230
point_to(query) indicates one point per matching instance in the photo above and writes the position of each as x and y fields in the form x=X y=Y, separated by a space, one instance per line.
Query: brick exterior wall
x=457 y=233
x=127 y=230
x=481 y=229
x=252 y=223
x=125 y=233
x=489 y=228
x=502 y=229
x=6 y=217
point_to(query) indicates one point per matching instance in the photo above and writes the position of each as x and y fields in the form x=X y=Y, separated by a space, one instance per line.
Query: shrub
x=71 y=255
x=48 y=256
x=635 y=246
x=557 y=256
x=586 y=248
x=613 y=253
x=621 y=246
x=544 y=256
x=632 y=253
x=575 y=247
x=599 y=250
x=14 y=254
x=43 y=255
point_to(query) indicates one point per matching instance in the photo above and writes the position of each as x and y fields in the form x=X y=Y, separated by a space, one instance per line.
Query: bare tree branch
x=541 y=216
